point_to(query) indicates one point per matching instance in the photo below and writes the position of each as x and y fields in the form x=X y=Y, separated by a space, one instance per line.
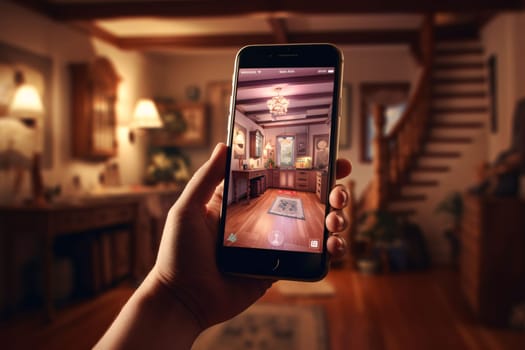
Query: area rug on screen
x=289 y=207
x=269 y=326
x=321 y=288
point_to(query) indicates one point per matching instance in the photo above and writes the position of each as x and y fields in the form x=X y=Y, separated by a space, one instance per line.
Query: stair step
x=457 y=125
x=459 y=94
x=457 y=43
x=444 y=139
x=441 y=154
x=464 y=102
x=460 y=80
x=409 y=198
x=422 y=183
x=458 y=88
x=444 y=74
x=459 y=65
x=432 y=169
x=463 y=117
x=459 y=110
x=459 y=51
x=402 y=212
x=467 y=58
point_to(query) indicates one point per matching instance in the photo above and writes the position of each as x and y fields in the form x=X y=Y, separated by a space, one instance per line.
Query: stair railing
x=393 y=153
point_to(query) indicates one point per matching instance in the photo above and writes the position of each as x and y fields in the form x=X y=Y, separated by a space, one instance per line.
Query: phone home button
x=276 y=265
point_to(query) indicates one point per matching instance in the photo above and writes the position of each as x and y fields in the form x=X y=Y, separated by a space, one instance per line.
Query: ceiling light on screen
x=278 y=105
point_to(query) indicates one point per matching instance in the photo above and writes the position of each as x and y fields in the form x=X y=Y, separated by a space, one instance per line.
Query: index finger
x=343 y=168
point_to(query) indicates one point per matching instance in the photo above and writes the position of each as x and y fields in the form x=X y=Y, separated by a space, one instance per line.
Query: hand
x=185 y=293
x=186 y=260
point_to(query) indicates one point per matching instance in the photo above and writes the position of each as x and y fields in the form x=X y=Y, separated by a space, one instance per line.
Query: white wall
x=503 y=37
x=63 y=45
x=173 y=73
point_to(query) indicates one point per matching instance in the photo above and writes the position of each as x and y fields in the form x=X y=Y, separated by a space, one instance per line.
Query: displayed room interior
x=288 y=210
x=108 y=108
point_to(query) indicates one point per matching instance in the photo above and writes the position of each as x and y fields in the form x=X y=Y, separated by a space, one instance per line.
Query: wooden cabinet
x=106 y=238
x=269 y=177
x=312 y=181
x=275 y=177
x=301 y=180
x=94 y=94
x=305 y=180
x=287 y=179
x=321 y=186
x=254 y=180
x=492 y=258
x=256 y=144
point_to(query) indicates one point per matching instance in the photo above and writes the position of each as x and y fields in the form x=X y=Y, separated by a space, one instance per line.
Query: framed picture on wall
x=320 y=152
x=185 y=125
x=239 y=142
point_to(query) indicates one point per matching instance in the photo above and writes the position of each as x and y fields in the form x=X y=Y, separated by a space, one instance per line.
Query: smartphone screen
x=283 y=135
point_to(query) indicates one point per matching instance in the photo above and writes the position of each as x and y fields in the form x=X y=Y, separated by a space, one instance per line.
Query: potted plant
x=381 y=232
x=452 y=205
x=166 y=168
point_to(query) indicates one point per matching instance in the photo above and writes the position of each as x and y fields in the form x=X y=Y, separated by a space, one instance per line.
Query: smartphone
x=282 y=149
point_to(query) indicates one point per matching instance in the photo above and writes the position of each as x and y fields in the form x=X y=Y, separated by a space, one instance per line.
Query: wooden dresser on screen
x=492 y=259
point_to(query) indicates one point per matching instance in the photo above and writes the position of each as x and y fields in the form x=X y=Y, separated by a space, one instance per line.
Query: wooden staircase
x=453 y=113
x=451 y=150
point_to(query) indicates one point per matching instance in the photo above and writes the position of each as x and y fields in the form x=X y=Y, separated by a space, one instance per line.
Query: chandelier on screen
x=278 y=105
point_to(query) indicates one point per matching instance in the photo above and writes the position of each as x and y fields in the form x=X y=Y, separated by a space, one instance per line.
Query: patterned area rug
x=269 y=326
x=289 y=207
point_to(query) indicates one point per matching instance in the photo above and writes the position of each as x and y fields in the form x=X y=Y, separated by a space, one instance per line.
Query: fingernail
x=345 y=198
x=340 y=223
x=341 y=245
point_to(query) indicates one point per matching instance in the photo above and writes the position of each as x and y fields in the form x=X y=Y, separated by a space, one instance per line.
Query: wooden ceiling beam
x=96 y=31
x=283 y=123
x=300 y=97
x=211 y=8
x=291 y=111
x=295 y=80
x=356 y=37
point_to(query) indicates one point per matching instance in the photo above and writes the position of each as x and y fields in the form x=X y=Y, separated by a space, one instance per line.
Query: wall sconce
x=268 y=148
x=145 y=116
x=27 y=105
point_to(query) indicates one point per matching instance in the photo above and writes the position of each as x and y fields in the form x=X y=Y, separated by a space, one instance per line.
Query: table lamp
x=27 y=105
x=145 y=116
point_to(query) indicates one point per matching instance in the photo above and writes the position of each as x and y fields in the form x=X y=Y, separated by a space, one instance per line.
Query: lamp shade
x=26 y=103
x=146 y=115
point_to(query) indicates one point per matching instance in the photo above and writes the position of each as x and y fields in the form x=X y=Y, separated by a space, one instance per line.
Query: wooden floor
x=397 y=311
x=293 y=234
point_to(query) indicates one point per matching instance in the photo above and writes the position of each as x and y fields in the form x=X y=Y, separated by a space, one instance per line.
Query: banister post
x=380 y=157
x=426 y=39
x=352 y=215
